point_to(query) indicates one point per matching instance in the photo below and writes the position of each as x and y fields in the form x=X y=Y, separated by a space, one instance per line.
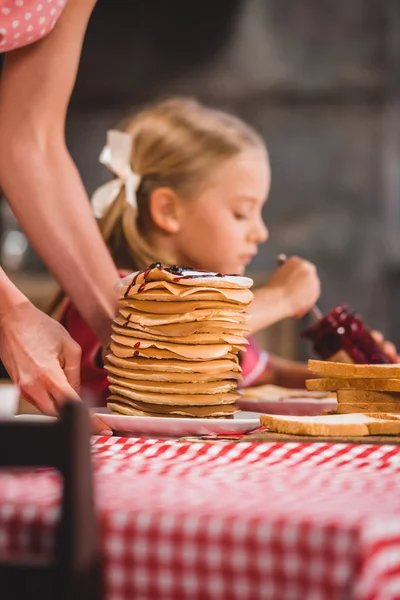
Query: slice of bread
x=367 y=401
x=336 y=369
x=352 y=425
x=332 y=384
x=325 y=425
x=387 y=416
x=368 y=407
x=383 y=424
x=359 y=396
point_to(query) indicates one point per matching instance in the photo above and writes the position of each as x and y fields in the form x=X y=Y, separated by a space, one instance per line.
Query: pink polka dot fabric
x=23 y=22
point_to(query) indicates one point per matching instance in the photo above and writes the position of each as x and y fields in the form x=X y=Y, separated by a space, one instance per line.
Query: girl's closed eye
x=240 y=216
x=246 y=208
x=242 y=211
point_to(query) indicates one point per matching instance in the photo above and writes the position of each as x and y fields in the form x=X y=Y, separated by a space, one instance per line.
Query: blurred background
x=320 y=79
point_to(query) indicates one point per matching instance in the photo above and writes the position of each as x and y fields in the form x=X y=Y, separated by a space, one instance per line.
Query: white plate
x=243 y=422
x=35 y=418
x=288 y=406
x=9 y=396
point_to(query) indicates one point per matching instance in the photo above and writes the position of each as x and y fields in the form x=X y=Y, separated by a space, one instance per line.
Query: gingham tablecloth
x=229 y=521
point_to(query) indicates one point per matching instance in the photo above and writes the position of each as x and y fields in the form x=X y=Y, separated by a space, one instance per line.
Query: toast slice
x=350 y=425
x=333 y=384
x=368 y=408
x=383 y=424
x=358 y=396
x=366 y=401
x=327 y=368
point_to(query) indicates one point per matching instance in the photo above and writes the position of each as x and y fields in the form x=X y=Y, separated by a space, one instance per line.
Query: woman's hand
x=299 y=283
x=42 y=358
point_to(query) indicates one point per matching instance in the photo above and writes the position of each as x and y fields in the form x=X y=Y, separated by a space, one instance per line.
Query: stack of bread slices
x=368 y=402
x=359 y=388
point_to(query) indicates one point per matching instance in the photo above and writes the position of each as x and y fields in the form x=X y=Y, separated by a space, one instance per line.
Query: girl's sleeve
x=93 y=375
x=254 y=363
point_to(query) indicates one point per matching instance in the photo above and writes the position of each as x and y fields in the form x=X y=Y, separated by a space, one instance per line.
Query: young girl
x=191 y=184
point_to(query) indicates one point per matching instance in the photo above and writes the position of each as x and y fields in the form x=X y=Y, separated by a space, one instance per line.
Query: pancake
x=194 y=338
x=147 y=319
x=175 y=399
x=169 y=377
x=133 y=408
x=225 y=365
x=162 y=387
x=127 y=352
x=169 y=291
x=185 y=277
x=173 y=307
x=184 y=412
x=205 y=352
x=158 y=296
x=185 y=329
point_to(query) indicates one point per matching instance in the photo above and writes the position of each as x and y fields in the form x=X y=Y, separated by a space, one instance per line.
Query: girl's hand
x=388 y=347
x=42 y=358
x=299 y=283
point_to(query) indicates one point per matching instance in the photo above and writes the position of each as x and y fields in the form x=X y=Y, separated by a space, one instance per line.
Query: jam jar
x=341 y=336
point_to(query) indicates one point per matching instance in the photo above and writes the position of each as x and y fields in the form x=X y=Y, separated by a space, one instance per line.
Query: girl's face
x=221 y=229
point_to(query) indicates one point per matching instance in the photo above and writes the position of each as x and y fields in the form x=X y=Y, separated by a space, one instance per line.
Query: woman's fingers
x=72 y=364
x=62 y=391
x=38 y=396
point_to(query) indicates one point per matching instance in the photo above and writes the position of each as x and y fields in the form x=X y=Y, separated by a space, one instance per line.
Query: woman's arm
x=38 y=175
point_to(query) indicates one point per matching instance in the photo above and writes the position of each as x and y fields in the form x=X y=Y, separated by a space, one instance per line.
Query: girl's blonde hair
x=175 y=144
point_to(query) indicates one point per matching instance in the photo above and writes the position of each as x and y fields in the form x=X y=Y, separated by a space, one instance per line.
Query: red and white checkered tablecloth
x=229 y=521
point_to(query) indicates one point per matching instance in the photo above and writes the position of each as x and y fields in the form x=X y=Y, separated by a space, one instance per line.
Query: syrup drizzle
x=145 y=274
x=133 y=283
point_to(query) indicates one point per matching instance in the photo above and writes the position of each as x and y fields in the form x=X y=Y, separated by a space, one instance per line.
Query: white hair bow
x=116 y=156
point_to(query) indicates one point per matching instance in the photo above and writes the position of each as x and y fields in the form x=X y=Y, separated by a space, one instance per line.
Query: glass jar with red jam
x=342 y=336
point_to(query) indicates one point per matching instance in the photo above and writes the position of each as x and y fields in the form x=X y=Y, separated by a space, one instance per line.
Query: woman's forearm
x=37 y=174
x=57 y=218
x=10 y=296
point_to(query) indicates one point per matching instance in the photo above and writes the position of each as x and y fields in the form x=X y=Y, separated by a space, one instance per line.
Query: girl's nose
x=260 y=232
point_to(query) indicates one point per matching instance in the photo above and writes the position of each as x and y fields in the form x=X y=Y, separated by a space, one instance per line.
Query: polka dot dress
x=23 y=22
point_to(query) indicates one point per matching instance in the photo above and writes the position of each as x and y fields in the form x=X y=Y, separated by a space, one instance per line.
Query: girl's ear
x=164 y=207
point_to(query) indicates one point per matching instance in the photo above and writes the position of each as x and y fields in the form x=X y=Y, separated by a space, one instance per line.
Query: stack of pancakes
x=175 y=343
